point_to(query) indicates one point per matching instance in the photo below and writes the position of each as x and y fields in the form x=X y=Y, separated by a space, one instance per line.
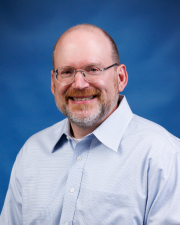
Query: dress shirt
x=126 y=172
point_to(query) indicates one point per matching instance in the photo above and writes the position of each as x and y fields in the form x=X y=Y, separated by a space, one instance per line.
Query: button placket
x=74 y=181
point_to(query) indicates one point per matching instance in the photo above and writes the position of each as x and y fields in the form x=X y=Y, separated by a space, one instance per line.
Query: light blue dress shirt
x=126 y=172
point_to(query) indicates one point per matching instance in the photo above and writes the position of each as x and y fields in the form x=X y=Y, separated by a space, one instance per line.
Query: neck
x=80 y=132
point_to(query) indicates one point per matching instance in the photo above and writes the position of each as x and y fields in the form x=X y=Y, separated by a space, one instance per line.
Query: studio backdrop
x=147 y=34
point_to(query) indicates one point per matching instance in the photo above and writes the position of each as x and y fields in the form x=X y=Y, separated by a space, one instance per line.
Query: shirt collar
x=61 y=128
x=111 y=131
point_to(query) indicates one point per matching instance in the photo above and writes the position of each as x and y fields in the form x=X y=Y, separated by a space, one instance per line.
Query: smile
x=83 y=99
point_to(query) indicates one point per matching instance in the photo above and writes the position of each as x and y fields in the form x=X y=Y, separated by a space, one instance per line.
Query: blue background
x=147 y=34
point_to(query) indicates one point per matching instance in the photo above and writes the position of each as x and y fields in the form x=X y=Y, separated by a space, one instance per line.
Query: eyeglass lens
x=91 y=73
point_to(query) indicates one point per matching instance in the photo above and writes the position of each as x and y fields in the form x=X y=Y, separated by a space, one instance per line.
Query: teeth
x=82 y=99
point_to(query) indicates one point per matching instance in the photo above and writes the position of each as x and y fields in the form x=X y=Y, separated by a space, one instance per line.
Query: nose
x=79 y=81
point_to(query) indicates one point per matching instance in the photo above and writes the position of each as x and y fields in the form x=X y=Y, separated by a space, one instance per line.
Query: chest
x=86 y=186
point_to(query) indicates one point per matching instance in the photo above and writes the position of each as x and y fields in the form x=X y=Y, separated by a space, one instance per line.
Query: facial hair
x=91 y=114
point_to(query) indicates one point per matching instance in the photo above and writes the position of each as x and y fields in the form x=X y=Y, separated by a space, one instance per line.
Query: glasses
x=91 y=73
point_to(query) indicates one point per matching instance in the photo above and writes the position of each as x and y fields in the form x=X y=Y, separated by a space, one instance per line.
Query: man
x=103 y=164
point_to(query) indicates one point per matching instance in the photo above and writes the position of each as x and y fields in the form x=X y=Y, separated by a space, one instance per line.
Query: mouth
x=83 y=98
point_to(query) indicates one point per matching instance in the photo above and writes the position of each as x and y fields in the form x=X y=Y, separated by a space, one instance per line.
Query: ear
x=122 y=77
x=52 y=82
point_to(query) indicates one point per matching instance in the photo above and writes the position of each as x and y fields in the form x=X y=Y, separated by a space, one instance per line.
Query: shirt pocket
x=102 y=208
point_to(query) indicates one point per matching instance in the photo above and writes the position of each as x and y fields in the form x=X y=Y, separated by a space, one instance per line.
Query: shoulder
x=39 y=146
x=45 y=139
x=49 y=131
x=151 y=147
x=152 y=133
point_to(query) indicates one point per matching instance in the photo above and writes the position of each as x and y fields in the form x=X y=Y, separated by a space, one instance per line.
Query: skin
x=77 y=49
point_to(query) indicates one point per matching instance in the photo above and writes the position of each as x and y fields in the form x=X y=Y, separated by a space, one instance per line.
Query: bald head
x=93 y=29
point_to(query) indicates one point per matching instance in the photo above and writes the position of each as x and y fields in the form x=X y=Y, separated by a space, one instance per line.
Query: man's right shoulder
x=46 y=138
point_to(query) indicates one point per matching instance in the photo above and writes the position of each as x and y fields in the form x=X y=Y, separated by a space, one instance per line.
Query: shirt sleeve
x=12 y=210
x=163 y=207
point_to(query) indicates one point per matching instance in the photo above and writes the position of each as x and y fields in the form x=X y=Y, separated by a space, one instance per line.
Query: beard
x=87 y=115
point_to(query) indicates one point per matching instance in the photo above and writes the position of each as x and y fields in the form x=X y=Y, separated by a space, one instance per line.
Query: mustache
x=85 y=92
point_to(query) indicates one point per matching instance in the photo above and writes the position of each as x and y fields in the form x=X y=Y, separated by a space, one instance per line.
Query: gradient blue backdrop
x=147 y=34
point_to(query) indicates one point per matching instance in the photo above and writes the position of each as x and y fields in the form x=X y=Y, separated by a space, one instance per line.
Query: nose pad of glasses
x=83 y=74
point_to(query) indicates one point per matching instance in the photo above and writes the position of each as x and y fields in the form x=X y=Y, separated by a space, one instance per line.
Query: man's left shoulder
x=154 y=132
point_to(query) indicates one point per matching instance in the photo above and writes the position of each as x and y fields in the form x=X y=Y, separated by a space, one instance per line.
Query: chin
x=85 y=118
x=86 y=115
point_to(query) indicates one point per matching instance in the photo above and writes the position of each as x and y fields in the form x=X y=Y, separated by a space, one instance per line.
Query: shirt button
x=72 y=190
x=79 y=158
x=66 y=224
x=67 y=137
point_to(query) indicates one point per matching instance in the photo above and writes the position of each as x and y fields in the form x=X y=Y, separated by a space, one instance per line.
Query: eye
x=93 y=69
x=66 y=72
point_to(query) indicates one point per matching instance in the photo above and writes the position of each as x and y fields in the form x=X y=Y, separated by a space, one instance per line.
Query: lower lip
x=82 y=102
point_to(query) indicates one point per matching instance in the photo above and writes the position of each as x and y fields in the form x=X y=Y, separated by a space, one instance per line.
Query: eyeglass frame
x=82 y=71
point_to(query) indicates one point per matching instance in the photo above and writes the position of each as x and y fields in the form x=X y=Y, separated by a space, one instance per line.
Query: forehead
x=82 y=47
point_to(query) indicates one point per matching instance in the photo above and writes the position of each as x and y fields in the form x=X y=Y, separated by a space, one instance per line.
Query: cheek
x=112 y=88
x=60 y=90
x=59 y=94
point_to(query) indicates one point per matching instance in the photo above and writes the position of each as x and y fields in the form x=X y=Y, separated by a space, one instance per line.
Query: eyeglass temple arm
x=115 y=64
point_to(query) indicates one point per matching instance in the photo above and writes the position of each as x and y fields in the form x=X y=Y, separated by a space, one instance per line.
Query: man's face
x=86 y=104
